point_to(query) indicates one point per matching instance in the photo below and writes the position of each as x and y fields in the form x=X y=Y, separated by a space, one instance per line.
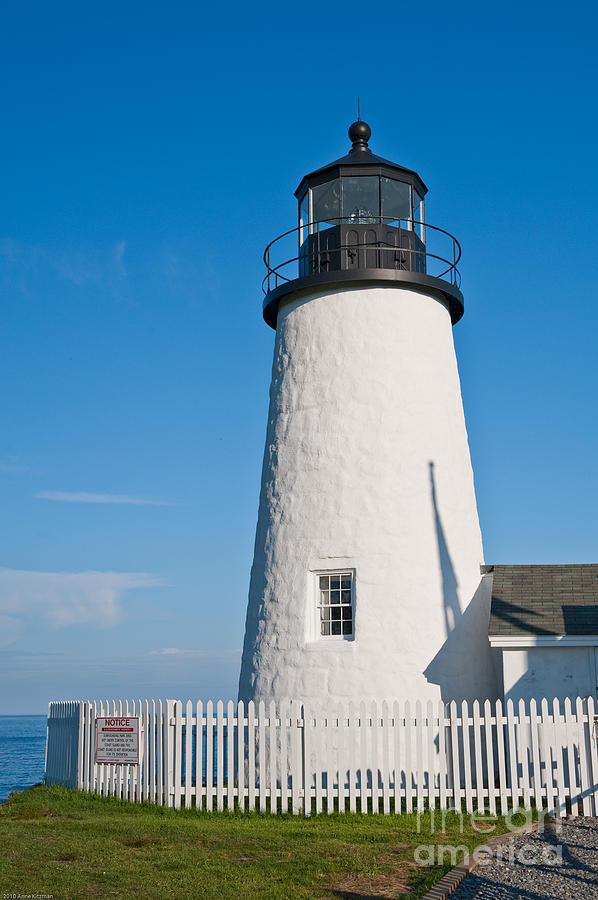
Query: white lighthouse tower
x=366 y=574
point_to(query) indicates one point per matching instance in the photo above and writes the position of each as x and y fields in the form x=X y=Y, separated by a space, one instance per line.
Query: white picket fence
x=367 y=757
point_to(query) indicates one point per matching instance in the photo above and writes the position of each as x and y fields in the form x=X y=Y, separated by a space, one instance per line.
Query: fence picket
x=230 y=756
x=546 y=742
x=490 y=772
x=103 y=770
x=536 y=765
x=272 y=758
x=306 y=768
x=583 y=762
x=350 y=740
x=113 y=776
x=477 y=749
x=512 y=748
x=502 y=769
x=219 y=756
x=456 y=774
x=593 y=752
x=241 y=755
x=419 y=755
x=465 y=722
x=261 y=716
x=161 y=741
x=199 y=756
x=363 y=772
x=398 y=773
x=374 y=729
x=429 y=744
x=523 y=745
x=296 y=743
x=284 y=765
x=385 y=737
x=442 y=768
x=408 y=766
x=574 y=791
x=328 y=762
x=558 y=749
x=210 y=755
x=177 y=757
x=188 y=752
x=251 y=773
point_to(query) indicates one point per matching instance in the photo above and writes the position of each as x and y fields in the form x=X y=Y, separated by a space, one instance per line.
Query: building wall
x=549 y=672
x=367 y=468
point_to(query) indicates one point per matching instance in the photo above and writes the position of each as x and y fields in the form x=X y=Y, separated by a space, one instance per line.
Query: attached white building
x=544 y=626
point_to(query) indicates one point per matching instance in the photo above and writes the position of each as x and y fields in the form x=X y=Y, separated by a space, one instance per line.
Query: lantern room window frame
x=308 y=224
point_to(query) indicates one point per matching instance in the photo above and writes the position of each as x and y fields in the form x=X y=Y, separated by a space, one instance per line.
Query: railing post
x=454 y=272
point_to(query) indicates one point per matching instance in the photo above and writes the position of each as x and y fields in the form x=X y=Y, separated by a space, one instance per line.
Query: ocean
x=22 y=752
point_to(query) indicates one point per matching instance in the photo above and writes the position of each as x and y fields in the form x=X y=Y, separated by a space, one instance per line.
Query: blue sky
x=149 y=153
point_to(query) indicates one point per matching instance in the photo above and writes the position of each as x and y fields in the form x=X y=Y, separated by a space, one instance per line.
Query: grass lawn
x=69 y=844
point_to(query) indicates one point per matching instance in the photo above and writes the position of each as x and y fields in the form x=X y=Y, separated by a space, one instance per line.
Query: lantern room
x=362 y=218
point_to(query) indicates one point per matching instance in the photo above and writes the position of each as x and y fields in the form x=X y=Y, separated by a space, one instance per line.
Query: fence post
x=80 y=737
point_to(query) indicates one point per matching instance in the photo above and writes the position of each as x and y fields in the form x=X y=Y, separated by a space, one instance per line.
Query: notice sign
x=117 y=740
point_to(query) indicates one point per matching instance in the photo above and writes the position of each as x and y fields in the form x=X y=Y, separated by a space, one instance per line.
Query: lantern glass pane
x=361 y=200
x=396 y=200
x=325 y=200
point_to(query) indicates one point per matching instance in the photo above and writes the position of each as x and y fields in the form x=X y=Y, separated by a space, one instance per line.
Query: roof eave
x=361 y=159
x=517 y=641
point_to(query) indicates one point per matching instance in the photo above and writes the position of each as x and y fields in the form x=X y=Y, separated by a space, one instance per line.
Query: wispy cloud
x=65 y=598
x=87 y=497
x=204 y=654
x=26 y=262
x=11 y=464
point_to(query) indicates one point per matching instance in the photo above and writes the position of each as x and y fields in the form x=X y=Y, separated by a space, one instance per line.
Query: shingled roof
x=543 y=600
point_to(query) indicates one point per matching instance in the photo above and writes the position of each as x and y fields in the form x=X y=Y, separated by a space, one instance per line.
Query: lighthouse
x=366 y=573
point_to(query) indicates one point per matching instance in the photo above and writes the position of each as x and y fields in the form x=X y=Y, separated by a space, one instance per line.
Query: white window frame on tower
x=326 y=605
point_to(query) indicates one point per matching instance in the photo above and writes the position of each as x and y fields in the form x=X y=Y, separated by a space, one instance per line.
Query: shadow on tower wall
x=465 y=667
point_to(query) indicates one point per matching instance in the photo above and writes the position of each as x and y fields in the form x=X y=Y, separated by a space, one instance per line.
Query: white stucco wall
x=549 y=672
x=367 y=467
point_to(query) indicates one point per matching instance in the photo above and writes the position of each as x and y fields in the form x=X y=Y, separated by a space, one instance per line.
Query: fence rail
x=366 y=757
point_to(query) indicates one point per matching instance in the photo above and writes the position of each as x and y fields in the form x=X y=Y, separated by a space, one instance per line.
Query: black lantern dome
x=361 y=218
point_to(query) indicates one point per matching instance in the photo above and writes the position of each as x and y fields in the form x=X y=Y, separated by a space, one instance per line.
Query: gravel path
x=571 y=871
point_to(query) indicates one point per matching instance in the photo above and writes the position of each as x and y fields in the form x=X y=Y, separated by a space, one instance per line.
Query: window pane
x=325 y=627
x=345 y=581
x=361 y=200
x=348 y=627
x=417 y=201
x=325 y=614
x=418 y=213
x=395 y=199
x=345 y=596
x=336 y=612
x=335 y=596
x=336 y=627
x=303 y=217
x=323 y=582
x=335 y=582
x=347 y=612
x=325 y=200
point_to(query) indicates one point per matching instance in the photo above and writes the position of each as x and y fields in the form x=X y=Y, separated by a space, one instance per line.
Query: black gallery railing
x=358 y=243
